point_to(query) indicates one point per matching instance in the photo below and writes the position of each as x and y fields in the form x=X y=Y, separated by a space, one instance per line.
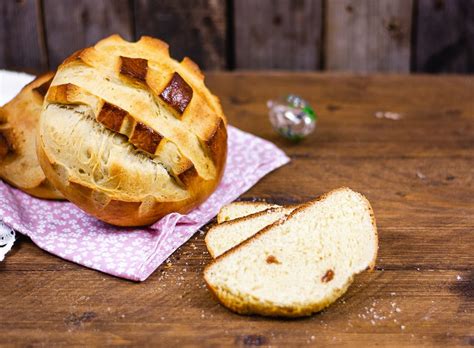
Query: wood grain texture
x=197 y=28
x=417 y=173
x=368 y=35
x=21 y=36
x=278 y=34
x=72 y=24
x=445 y=36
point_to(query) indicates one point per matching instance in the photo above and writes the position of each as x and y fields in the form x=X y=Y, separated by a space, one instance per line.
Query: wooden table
x=418 y=173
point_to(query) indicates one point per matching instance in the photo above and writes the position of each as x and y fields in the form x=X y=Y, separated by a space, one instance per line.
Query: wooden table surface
x=418 y=173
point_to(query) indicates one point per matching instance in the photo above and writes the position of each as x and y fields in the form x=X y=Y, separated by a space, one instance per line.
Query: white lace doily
x=7 y=238
x=11 y=82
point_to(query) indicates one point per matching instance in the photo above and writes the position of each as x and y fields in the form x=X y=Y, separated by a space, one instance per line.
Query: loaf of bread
x=226 y=235
x=301 y=264
x=129 y=134
x=19 y=119
x=237 y=210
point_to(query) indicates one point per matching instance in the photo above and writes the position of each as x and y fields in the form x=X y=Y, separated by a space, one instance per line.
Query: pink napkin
x=134 y=253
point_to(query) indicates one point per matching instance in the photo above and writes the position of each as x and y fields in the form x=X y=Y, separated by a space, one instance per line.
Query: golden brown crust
x=193 y=67
x=374 y=224
x=243 y=306
x=111 y=116
x=4 y=147
x=43 y=88
x=45 y=190
x=73 y=57
x=188 y=176
x=177 y=93
x=217 y=144
x=131 y=88
x=245 y=218
x=117 y=212
x=135 y=68
x=253 y=207
x=145 y=138
x=151 y=42
x=65 y=94
x=19 y=121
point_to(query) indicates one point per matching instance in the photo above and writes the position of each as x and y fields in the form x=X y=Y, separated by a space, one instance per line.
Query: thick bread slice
x=236 y=210
x=302 y=264
x=224 y=236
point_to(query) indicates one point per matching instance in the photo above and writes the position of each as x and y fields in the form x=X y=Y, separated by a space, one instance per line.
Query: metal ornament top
x=292 y=117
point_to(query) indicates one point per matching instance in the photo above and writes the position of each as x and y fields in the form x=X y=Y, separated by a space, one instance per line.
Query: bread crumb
x=394 y=116
x=420 y=175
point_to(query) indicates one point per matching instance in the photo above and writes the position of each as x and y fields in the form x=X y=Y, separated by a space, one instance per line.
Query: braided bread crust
x=129 y=134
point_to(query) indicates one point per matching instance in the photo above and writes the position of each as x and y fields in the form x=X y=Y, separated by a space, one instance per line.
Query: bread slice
x=302 y=264
x=224 y=236
x=237 y=210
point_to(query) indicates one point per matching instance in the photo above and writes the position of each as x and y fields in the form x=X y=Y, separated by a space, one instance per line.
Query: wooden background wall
x=340 y=35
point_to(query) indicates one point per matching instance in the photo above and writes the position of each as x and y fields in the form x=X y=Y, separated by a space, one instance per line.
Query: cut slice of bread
x=236 y=210
x=302 y=264
x=224 y=236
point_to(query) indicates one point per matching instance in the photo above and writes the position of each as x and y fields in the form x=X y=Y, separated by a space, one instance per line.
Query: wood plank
x=281 y=34
x=416 y=171
x=197 y=29
x=72 y=24
x=368 y=35
x=21 y=36
x=444 y=36
x=174 y=308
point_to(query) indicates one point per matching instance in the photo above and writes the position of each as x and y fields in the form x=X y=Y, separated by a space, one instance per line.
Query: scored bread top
x=18 y=125
x=145 y=126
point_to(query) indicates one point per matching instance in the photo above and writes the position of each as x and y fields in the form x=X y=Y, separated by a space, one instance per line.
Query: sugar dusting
x=379 y=312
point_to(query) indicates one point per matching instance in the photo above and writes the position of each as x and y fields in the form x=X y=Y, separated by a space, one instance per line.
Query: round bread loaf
x=18 y=127
x=129 y=134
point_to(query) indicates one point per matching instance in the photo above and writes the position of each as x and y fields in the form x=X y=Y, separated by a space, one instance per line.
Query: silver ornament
x=292 y=117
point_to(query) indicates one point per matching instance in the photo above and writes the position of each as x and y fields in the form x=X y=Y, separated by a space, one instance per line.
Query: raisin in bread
x=129 y=134
x=19 y=119
x=299 y=265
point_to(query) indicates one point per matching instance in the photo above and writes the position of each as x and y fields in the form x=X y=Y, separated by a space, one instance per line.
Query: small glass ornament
x=292 y=117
